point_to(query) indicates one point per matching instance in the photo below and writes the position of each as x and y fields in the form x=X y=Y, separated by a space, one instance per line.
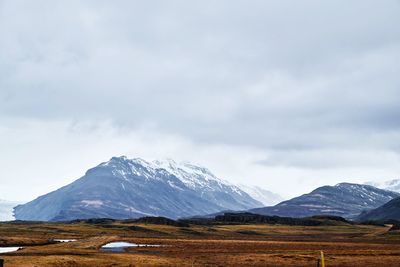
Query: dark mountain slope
x=345 y=200
x=388 y=211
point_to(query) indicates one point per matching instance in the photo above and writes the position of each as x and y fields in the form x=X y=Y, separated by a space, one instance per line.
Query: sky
x=286 y=95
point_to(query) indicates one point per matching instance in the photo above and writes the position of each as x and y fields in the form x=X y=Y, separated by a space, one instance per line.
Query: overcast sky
x=288 y=95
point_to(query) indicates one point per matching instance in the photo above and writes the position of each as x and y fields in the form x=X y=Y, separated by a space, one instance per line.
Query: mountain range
x=123 y=188
x=345 y=199
x=130 y=188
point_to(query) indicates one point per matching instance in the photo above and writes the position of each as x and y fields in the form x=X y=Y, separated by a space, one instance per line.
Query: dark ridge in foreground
x=228 y=218
x=256 y=218
x=144 y=220
x=251 y=218
x=92 y=221
x=160 y=221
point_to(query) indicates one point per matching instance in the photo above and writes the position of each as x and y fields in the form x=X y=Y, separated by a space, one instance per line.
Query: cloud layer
x=280 y=92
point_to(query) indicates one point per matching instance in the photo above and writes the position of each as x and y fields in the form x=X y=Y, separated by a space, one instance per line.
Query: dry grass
x=224 y=245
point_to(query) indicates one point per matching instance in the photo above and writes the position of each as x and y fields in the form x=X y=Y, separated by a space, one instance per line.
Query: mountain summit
x=129 y=188
x=344 y=199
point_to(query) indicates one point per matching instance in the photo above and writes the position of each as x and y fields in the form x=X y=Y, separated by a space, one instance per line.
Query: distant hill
x=123 y=188
x=344 y=199
x=388 y=211
x=266 y=197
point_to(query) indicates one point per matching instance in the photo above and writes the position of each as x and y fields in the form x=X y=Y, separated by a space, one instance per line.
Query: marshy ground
x=215 y=245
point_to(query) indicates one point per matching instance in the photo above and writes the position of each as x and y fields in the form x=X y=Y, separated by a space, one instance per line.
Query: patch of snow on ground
x=94 y=203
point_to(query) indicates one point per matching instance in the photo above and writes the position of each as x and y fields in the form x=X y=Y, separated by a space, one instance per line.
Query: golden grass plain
x=217 y=245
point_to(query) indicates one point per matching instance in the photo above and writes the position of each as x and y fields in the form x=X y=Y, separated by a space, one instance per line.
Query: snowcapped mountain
x=211 y=188
x=266 y=197
x=130 y=188
x=344 y=199
x=6 y=210
x=392 y=185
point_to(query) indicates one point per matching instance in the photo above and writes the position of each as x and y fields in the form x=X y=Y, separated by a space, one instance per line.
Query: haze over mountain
x=266 y=197
x=6 y=210
x=392 y=185
x=129 y=188
x=344 y=199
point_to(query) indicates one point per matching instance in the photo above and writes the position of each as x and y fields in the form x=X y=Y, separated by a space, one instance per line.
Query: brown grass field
x=219 y=245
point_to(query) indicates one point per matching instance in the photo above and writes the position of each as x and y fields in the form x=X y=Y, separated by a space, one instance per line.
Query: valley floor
x=220 y=245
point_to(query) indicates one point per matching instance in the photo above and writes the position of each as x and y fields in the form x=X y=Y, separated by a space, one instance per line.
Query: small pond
x=8 y=249
x=64 y=240
x=121 y=246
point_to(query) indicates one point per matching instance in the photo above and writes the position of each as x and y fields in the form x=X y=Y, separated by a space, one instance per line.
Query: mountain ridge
x=344 y=199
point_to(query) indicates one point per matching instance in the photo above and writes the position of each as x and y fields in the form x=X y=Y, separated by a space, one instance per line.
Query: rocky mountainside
x=344 y=199
x=129 y=188
x=388 y=211
x=266 y=197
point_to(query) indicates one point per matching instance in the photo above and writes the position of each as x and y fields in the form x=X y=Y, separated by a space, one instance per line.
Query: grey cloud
x=276 y=75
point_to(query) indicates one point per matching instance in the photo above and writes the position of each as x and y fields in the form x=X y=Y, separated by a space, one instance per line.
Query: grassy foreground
x=217 y=245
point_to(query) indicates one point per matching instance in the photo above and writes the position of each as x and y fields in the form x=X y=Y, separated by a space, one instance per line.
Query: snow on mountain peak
x=127 y=188
x=193 y=176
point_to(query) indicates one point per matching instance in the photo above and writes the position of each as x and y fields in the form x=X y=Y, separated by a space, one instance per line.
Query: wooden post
x=322 y=259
